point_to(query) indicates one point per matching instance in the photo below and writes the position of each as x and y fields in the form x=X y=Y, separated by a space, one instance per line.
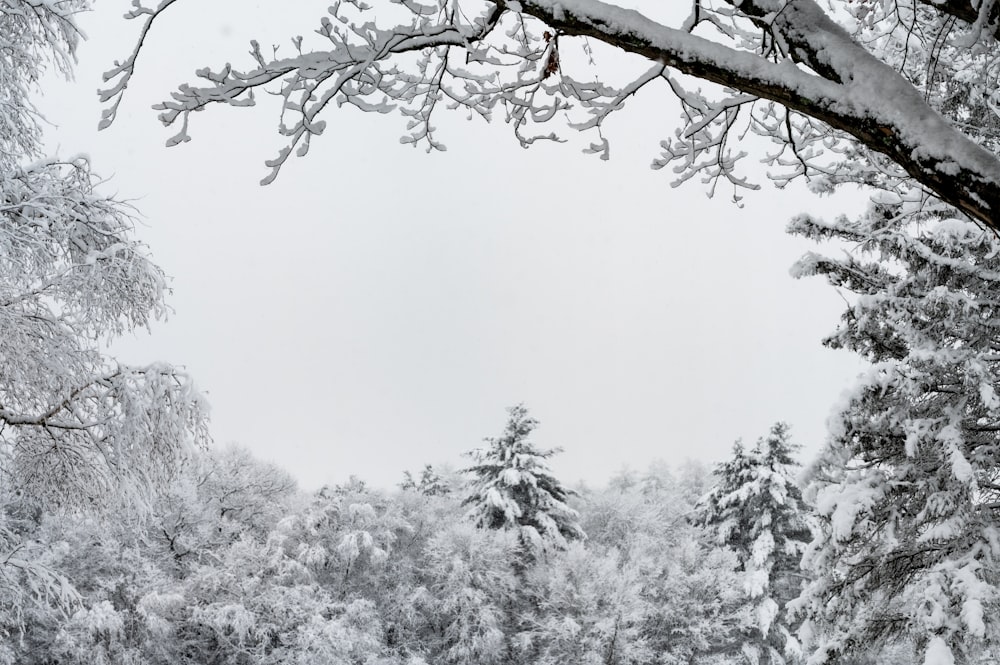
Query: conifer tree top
x=513 y=487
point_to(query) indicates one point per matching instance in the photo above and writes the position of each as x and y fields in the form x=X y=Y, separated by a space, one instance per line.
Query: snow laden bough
x=898 y=95
x=76 y=428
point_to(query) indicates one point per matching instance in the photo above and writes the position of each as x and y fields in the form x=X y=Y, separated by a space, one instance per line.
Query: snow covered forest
x=125 y=537
x=499 y=564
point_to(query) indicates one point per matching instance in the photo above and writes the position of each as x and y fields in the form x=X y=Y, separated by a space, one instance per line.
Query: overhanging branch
x=865 y=98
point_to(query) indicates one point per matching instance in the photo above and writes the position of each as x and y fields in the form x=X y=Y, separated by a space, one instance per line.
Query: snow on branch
x=74 y=425
x=106 y=442
x=875 y=96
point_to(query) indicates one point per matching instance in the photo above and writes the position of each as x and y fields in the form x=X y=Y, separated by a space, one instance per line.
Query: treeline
x=499 y=564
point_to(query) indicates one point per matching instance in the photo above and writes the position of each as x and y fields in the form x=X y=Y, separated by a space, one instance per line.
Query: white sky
x=377 y=308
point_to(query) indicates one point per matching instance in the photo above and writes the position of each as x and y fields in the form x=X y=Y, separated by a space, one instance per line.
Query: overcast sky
x=377 y=307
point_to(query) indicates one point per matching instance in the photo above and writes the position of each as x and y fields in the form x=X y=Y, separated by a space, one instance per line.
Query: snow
x=938 y=653
x=767 y=611
x=756 y=581
x=763 y=548
x=972 y=616
x=951 y=438
x=100 y=619
x=989 y=396
x=949 y=167
x=975 y=591
x=847 y=504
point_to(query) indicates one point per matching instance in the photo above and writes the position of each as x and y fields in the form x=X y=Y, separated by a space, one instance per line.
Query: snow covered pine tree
x=512 y=488
x=907 y=489
x=757 y=510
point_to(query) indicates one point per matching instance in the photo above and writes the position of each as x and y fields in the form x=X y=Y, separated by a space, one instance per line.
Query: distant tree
x=908 y=486
x=624 y=479
x=430 y=484
x=513 y=488
x=628 y=522
x=658 y=478
x=589 y=609
x=757 y=510
x=694 y=479
x=354 y=485
x=697 y=610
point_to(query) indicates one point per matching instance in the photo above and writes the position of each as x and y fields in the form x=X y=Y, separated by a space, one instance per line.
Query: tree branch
x=859 y=94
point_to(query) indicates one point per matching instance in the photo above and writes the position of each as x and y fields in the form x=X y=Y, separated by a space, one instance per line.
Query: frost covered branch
x=873 y=83
x=76 y=428
x=75 y=424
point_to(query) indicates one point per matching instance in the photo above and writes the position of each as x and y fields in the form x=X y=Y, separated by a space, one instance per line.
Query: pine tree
x=430 y=484
x=757 y=510
x=513 y=488
x=906 y=489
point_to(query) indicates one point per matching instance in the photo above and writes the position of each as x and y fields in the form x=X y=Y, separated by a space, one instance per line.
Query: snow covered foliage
x=907 y=487
x=757 y=510
x=513 y=488
x=430 y=483
x=697 y=608
x=244 y=493
x=75 y=426
x=672 y=593
x=360 y=576
x=468 y=581
x=77 y=430
x=36 y=35
x=589 y=609
x=898 y=93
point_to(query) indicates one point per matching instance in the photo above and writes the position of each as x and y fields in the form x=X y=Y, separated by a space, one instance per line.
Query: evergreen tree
x=513 y=488
x=757 y=510
x=430 y=484
x=907 y=490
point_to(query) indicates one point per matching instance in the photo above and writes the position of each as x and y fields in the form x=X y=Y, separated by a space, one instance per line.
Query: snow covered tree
x=757 y=510
x=77 y=429
x=907 y=488
x=469 y=587
x=75 y=426
x=589 y=609
x=248 y=493
x=896 y=95
x=513 y=488
x=697 y=610
x=218 y=497
x=430 y=484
